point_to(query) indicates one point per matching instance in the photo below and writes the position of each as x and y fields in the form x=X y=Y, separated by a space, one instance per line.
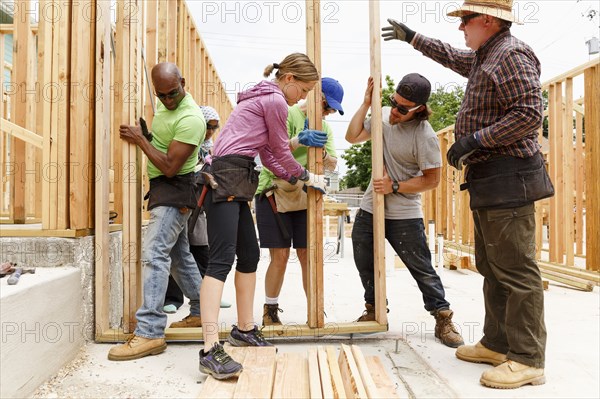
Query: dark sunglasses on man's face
x=401 y=108
x=466 y=18
x=212 y=127
x=171 y=95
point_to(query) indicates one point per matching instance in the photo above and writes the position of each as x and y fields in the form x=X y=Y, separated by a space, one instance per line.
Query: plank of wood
x=213 y=388
x=314 y=375
x=21 y=133
x=574 y=282
x=385 y=387
x=256 y=381
x=291 y=377
x=363 y=369
x=592 y=161
x=102 y=158
x=337 y=382
x=377 y=161
x=326 y=379
x=592 y=276
x=353 y=384
x=316 y=299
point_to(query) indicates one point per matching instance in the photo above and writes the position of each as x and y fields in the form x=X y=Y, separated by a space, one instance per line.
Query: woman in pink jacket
x=257 y=126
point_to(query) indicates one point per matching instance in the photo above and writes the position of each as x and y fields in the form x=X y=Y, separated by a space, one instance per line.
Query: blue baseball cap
x=334 y=93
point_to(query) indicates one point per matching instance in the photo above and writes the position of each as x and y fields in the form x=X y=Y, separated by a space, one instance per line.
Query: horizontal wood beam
x=571 y=73
x=21 y=133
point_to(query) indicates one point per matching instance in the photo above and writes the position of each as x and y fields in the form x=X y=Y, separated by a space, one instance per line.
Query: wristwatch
x=395 y=186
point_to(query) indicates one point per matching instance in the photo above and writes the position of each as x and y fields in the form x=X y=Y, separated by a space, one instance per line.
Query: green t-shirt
x=295 y=124
x=185 y=124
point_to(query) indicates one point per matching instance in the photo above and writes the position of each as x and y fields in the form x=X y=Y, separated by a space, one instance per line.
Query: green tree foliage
x=444 y=104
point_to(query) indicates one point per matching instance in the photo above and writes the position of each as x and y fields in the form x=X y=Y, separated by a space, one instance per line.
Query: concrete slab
x=421 y=366
x=42 y=328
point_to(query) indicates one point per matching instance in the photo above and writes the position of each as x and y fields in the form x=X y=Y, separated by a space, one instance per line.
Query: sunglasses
x=466 y=18
x=171 y=95
x=401 y=108
x=212 y=127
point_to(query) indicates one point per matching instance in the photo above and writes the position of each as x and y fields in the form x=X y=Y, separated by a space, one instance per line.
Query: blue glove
x=461 y=149
x=312 y=138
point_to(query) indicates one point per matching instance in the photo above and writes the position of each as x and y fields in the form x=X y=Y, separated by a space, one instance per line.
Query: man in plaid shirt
x=496 y=137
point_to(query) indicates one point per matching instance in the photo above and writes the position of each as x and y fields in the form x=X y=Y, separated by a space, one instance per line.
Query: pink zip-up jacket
x=258 y=125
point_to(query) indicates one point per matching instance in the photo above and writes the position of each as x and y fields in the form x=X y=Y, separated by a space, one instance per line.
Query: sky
x=243 y=37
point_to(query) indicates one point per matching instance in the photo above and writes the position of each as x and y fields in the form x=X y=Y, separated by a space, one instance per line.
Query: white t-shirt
x=408 y=148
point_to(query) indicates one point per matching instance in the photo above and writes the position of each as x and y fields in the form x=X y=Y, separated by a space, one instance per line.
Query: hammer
x=268 y=192
x=14 y=278
x=208 y=178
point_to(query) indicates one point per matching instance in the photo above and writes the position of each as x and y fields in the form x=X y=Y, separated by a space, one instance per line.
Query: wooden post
x=579 y=183
x=552 y=166
x=21 y=42
x=81 y=106
x=315 y=165
x=567 y=166
x=592 y=161
x=102 y=152
x=377 y=159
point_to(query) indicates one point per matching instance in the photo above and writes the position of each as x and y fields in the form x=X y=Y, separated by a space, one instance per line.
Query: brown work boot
x=188 y=321
x=137 y=347
x=368 y=313
x=445 y=330
x=511 y=374
x=480 y=354
x=271 y=315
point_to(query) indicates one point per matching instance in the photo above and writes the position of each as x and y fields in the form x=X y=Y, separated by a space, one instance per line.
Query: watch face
x=395 y=186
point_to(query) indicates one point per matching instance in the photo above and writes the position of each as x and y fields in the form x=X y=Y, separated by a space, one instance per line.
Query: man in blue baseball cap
x=277 y=199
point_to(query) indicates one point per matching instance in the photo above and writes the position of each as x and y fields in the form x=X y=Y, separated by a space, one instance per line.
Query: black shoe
x=252 y=338
x=218 y=363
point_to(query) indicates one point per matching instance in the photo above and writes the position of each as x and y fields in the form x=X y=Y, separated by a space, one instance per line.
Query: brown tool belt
x=236 y=176
x=180 y=191
x=507 y=182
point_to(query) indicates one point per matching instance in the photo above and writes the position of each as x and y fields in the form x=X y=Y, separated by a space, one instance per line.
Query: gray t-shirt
x=408 y=148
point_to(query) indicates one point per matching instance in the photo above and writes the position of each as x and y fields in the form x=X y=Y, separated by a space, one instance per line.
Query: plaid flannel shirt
x=503 y=98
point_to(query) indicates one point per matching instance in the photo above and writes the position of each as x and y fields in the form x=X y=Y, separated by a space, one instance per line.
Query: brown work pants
x=512 y=287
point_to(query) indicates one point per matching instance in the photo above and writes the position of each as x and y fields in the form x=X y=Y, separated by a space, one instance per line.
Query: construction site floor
x=419 y=365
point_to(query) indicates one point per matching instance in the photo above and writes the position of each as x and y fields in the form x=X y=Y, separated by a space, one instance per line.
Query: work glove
x=311 y=180
x=309 y=138
x=397 y=31
x=461 y=149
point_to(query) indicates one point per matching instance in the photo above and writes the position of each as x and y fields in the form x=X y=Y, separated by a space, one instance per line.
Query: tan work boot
x=480 y=354
x=445 y=330
x=271 y=315
x=188 y=321
x=511 y=374
x=368 y=313
x=137 y=347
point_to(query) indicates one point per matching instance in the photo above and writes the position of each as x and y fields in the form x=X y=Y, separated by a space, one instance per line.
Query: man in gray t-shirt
x=412 y=165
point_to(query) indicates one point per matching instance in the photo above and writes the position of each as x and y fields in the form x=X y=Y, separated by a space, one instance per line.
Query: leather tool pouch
x=290 y=197
x=181 y=191
x=508 y=182
x=236 y=177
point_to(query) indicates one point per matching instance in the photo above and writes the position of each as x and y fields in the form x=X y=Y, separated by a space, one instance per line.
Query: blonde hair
x=298 y=64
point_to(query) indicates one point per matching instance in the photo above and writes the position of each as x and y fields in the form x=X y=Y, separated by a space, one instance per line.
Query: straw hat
x=496 y=8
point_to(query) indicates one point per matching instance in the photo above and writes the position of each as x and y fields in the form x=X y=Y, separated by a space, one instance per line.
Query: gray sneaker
x=218 y=363
x=252 y=338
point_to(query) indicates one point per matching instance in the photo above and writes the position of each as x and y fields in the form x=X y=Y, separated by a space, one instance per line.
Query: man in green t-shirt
x=178 y=129
x=290 y=199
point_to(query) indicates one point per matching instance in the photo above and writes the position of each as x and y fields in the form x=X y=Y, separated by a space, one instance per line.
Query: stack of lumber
x=321 y=372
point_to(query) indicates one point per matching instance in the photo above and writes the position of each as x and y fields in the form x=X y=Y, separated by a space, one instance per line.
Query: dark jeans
x=231 y=233
x=174 y=295
x=407 y=237
x=512 y=286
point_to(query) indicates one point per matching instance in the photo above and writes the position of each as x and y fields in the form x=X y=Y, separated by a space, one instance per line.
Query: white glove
x=316 y=182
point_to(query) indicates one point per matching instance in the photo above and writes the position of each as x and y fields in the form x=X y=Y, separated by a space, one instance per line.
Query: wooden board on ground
x=350 y=374
x=314 y=375
x=365 y=375
x=256 y=381
x=385 y=387
x=326 y=380
x=291 y=378
x=337 y=381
